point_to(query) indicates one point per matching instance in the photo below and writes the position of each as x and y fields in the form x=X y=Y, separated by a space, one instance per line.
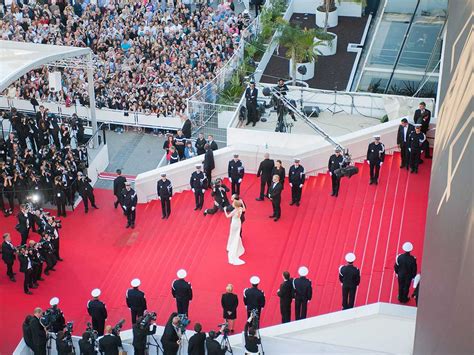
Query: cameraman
x=63 y=343
x=141 y=329
x=86 y=344
x=212 y=345
x=251 y=339
x=57 y=318
x=109 y=344
x=219 y=193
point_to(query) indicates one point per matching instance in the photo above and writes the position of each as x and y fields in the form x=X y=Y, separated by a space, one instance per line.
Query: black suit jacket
x=119 y=184
x=265 y=169
x=213 y=145
x=275 y=192
x=8 y=253
x=187 y=128
x=109 y=344
x=209 y=160
x=24 y=222
x=400 y=140
x=38 y=335
x=286 y=291
x=251 y=96
x=196 y=344
x=418 y=116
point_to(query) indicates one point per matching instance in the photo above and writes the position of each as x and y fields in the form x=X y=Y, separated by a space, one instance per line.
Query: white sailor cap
x=337 y=150
x=181 y=274
x=163 y=174
x=350 y=257
x=255 y=280
x=198 y=166
x=417 y=125
x=135 y=283
x=54 y=301
x=377 y=136
x=303 y=271
x=407 y=246
x=95 y=292
x=297 y=160
x=236 y=155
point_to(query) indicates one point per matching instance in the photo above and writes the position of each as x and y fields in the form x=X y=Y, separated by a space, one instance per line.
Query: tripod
x=333 y=107
x=225 y=343
x=49 y=342
x=156 y=345
x=181 y=347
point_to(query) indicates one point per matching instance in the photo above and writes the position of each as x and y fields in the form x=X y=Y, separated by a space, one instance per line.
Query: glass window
x=373 y=82
x=387 y=44
x=401 y=6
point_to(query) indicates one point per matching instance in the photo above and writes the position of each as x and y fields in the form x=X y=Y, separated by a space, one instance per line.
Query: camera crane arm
x=303 y=117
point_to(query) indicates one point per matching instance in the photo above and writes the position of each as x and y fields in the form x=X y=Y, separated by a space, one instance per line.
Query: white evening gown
x=235 y=248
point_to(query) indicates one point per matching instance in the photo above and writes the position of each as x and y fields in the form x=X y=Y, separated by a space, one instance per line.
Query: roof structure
x=18 y=58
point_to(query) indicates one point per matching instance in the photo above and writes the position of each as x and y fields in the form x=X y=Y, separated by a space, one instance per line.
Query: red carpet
x=373 y=221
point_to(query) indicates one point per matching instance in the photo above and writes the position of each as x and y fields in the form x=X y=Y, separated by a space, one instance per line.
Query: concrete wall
x=445 y=320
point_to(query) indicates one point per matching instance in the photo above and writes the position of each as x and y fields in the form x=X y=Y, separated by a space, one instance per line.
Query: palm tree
x=300 y=45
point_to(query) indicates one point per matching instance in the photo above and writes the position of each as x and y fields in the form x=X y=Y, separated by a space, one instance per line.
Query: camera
x=69 y=328
x=147 y=318
x=93 y=335
x=183 y=322
x=50 y=317
x=254 y=318
x=226 y=330
x=118 y=327
x=346 y=170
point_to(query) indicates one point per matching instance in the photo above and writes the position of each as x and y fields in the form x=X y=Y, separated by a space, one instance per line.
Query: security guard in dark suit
x=235 y=171
x=415 y=148
x=274 y=194
x=286 y=294
x=165 y=192
x=405 y=269
x=136 y=300
x=198 y=184
x=265 y=174
x=8 y=255
x=182 y=292
x=403 y=135
x=303 y=293
x=38 y=333
x=119 y=185
x=335 y=162
x=375 y=158
x=97 y=311
x=85 y=191
x=128 y=200
x=296 y=177
x=349 y=276
x=253 y=297
x=60 y=197
x=110 y=343
x=251 y=94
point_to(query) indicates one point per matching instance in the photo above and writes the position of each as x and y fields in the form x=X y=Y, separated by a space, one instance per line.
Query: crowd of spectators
x=149 y=55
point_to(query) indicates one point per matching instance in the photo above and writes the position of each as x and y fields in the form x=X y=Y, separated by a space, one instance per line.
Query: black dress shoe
x=12 y=279
x=195 y=208
x=276 y=219
x=132 y=225
x=28 y=293
x=402 y=166
x=95 y=207
x=371 y=182
x=253 y=125
x=59 y=259
x=272 y=216
x=259 y=199
x=247 y=123
x=292 y=203
x=87 y=211
x=332 y=194
x=376 y=182
x=163 y=217
x=297 y=203
x=127 y=226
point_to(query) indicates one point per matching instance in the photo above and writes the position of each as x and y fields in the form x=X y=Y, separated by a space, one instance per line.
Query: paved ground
x=133 y=152
x=331 y=71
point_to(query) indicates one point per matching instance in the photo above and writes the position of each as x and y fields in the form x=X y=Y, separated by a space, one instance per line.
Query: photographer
x=171 y=338
x=23 y=225
x=141 y=330
x=252 y=341
x=110 y=343
x=219 y=193
x=86 y=191
x=196 y=344
x=64 y=343
x=86 y=344
x=212 y=345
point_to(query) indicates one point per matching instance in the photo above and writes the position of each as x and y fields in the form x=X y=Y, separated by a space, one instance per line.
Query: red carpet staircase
x=372 y=221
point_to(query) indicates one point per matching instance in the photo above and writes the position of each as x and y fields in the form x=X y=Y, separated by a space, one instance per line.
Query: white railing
x=127 y=118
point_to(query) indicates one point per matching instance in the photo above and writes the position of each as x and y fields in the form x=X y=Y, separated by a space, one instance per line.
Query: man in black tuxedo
x=404 y=131
x=251 y=94
x=423 y=116
x=212 y=143
x=8 y=255
x=286 y=294
x=274 y=193
x=119 y=185
x=24 y=223
x=420 y=113
x=86 y=191
x=26 y=267
x=265 y=174
x=208 y=163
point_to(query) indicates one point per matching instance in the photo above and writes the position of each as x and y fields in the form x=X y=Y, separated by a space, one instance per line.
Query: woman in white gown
x=235 y=247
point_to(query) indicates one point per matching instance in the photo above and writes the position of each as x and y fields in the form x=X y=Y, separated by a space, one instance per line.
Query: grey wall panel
x=445 y=319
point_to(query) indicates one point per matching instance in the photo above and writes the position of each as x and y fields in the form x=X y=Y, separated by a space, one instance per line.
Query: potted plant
x=300 y=49
x=326 y=42
x=326 y=14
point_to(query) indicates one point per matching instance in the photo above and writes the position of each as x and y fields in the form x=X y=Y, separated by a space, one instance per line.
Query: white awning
x=18 y=58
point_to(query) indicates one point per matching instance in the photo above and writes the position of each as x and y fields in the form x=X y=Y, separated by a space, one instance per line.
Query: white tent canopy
x=18 y=58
